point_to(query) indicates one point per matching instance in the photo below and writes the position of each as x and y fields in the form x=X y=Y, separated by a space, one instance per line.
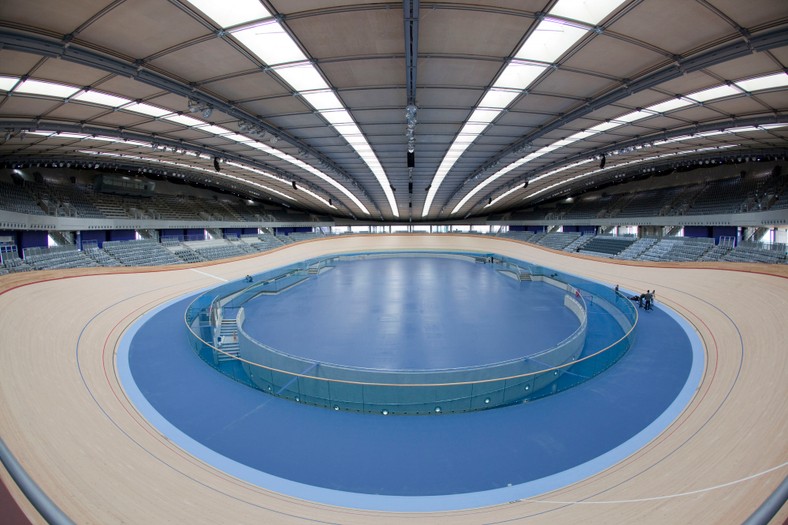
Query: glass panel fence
x=404 y=391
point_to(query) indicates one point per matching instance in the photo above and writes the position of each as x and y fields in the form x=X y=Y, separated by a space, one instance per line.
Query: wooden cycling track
x=64 y=415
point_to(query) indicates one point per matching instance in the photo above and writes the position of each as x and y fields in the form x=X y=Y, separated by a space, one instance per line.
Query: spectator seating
x=754 y=254
x=607 y=246
x=517 y=235
x=578 y=243
x=558 y=240
x=18 y=199
x=12 y=262
x=58 y=257
x=634 y=250
x=101 y=257
x=143 y=252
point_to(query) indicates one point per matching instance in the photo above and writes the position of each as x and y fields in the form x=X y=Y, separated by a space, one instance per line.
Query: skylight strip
x=47 y=89
x=316 y=196
x=66 y=135
x=484 y=116
x=146 y=109
x=498 y=98
x=714 y=93
x=154 y=160
x=270 y=43
x=550 y=40
x=284 y=156
x=101 y=99
x=589 y=11
x=302 y=76
x=8 y=83
x=243 y=139
x=670 y=105
x=777 y=80
x=239 y=12
x=634 y=116
x=214 y=130
x=322 y=100
x=184 y=120
x=518 y=75
x=605 y=126
x=623 y=164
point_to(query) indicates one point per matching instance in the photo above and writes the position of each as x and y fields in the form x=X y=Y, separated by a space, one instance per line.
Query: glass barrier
x=403 y=392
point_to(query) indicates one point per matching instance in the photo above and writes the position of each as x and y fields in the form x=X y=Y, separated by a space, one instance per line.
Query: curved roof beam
x=653 y=140
x=680 y=66
x=554 y=34
x=270 y=42
x=36 y=44
x=184 y=150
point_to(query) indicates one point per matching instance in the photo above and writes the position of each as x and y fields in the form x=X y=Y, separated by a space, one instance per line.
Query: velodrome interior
x=151 y=149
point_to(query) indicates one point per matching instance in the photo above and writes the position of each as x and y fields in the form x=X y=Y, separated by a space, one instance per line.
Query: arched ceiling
x=306 y=102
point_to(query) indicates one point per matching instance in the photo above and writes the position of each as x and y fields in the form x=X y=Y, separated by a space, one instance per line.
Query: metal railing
x=410 y=391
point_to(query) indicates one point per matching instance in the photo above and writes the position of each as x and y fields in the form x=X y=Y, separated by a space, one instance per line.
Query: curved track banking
x=64 y=414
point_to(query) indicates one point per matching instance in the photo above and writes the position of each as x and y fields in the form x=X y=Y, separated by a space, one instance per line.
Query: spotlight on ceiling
x=196 y=106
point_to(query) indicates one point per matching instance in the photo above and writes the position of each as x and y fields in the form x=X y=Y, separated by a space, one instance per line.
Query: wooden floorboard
x=64 y=415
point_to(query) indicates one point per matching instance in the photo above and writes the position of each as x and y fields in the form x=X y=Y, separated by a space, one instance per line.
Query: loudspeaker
x=411 y=159
x=602 y=162
x=294 y=186
x=216 y=164
x=525 y=185
x=410 y=187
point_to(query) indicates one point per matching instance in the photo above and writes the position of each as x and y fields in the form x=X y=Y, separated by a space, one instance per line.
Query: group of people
x=645 y=300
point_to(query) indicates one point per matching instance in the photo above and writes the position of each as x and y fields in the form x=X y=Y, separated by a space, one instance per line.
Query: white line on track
x=655 y=498
x=209 y=275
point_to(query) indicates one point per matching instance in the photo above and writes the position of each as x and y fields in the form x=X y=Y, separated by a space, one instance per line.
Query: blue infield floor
x=413 y=463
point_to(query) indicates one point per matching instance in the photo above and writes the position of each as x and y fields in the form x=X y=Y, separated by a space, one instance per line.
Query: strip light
x=771 y=81
x=270 y=42
x=192 y=167
x=551 y=38
x=741 y=129
x=100 y=98
x=632 y=162
x=81 y=136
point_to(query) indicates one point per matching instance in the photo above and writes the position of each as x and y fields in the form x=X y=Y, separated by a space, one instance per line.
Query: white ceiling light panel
x=499 y=98
x=229 y=14
x=213 y=130
x=48 y=89
x=518 y=75
x=588 y=11
x=102 y=99
x=302 y=77
x=778 y=80
x=550 y=40
x=270 y=43
x=147 y=109
x=183 y=119
x=484 y=116
x=670 y=105
x=714 y=93
x=322 y=100
x=338 y=117
x=7 y=83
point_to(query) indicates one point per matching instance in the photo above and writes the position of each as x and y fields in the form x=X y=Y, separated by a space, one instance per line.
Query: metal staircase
x=228 y=332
